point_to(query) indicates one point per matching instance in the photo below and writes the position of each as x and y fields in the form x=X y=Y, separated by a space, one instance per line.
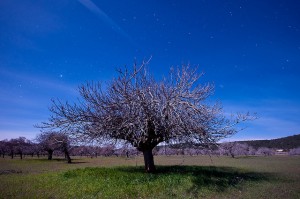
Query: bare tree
x=37 y=149
x=144 y=112
x=234 y=149
x=295 y=151
x=51 y=141
x=18 y=146
x=166 y=150
x=4 y=147
x=251 y=150
x=123 y=151
x=107 y=150
x=265 y=151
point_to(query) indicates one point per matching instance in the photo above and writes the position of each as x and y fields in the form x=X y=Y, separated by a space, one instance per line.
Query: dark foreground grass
x=130 y=182
x=250 y=178
x=168 y=182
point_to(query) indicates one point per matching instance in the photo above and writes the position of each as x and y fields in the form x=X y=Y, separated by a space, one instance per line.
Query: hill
x=289 y=142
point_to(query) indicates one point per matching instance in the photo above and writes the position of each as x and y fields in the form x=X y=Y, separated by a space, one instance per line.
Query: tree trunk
x=67 y=155
x=232 y=154
x=50 y=152
x=149 y=161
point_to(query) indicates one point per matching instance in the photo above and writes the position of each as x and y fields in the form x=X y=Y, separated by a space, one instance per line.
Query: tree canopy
x=51 y=141
x=136 y=108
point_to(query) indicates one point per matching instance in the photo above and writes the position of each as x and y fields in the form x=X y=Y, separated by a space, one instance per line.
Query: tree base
x=149 y=161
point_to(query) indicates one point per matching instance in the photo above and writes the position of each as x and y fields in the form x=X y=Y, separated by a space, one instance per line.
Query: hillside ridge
x=286 y=143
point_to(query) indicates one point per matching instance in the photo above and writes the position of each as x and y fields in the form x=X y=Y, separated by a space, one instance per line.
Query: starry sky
x=249 y=49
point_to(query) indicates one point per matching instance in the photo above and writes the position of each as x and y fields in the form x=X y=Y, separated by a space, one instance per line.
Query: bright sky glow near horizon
x=250 y=50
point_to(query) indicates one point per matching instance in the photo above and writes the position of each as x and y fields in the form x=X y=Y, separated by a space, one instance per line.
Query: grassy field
x=177 y=177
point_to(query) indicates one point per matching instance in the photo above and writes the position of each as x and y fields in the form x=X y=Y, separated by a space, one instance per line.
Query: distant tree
x=18 y=146
x=51 y=141
x=204 y=151
x=36 y=148
x=81 y=150
x=295 y=151
x=241 y=149
x=3 y=148
x=265 y=151
x=234 y=149
x=107 y=150
x=132 y=152
x=167 y=151
x=28 y=148
x=10 y=149
x=144 y=112
x=48 y=143
x=96 y=151
x=251 y=150
x=190 y=151
x=124 y=150
x=227 y=148
x=90 y=151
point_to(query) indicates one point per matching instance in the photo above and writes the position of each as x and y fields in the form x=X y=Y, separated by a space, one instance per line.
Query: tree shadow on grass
x=46 y=160
x=74 y=161
x=216 y=178
x=246 y=157
x=78 y=162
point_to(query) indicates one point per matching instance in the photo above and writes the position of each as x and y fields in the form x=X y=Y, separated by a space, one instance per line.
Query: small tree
x=51 y=141
x=144 y=112
x=295 y=151
x=108 y=150
x=18 y=146
x=36 y=149
x=234 y=149
x=166 y=150
x=227 y=148
x=265 y=151
x=251 y=150
x=3 y=148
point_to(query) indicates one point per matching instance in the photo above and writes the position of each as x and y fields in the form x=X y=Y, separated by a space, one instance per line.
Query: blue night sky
x=250 y=50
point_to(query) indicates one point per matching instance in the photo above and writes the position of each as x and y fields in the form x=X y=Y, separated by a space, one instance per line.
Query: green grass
x=176 y=177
